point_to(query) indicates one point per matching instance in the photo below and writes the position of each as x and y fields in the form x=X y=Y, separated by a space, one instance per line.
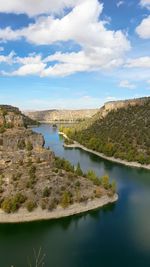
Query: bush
x=77 y=184
x=78 y=170
x=65 y=200
x=46 y=192
x=52 y=205
x=31 y=205
x=12 y=204
x=21 y=144
x=29 y=146
x=105 y=181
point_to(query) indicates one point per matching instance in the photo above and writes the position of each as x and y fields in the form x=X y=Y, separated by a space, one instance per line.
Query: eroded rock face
x=61 y=115
x=19 y=139
x=114 y=105
x=12 y=117
x=16 y=141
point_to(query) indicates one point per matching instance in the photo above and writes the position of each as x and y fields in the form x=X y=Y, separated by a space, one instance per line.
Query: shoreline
x=101 y=155
x=38 y=214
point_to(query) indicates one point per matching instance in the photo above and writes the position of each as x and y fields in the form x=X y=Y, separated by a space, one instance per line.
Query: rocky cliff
x=61 y=115
x=12 y=117
x=114 y=106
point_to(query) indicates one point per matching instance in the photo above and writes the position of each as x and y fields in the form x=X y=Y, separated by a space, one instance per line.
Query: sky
x=73 y=54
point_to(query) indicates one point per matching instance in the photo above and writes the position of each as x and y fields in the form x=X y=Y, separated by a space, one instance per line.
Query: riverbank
x=101 y=155
x=38 y=214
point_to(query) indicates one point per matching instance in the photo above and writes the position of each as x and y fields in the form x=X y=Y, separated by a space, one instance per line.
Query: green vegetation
x=66 y=199
x=63 y=164
x=46 y=192
x=124 y=133
x=78 y=170
x=29 y=146
x=12 y=204
x=31 y=205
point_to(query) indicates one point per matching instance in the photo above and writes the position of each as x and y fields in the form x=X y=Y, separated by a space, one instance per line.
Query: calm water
x=118 y=235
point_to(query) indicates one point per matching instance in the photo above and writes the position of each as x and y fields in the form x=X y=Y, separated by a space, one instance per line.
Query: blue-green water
x=118 y=235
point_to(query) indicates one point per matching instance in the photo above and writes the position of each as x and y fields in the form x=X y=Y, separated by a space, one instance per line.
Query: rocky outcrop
x=61 y=115
x=115 y=105
x=19 y=139
x=12 y=117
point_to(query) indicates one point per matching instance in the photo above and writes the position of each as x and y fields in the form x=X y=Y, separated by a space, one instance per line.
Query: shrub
x=65 y=200
x=46 y=192
x=31 y=205
x=21 y=144
x=52 y=205
x=77 y=184
x=12 y=204
x=29 y=146
x=105 y=181
x=78 y=170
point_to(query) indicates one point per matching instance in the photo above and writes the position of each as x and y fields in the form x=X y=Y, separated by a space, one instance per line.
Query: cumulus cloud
x=35 y=7
x=100 y=48
x=143 y=30
x=9 y=59
x=8 y=34
x=127 y=84
x=31 y=65
x=141 y=62
x=145 y=3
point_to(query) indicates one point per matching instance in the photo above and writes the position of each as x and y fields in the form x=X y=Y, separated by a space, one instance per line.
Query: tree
x=105 y=181
x=78 y=170
x=65 y=200
x=114 y=186
x=91 y=175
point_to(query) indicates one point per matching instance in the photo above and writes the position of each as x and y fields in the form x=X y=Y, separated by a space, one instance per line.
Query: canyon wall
x=61 y=115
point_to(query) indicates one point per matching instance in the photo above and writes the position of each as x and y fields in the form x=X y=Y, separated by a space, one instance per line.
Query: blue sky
x=73 y=53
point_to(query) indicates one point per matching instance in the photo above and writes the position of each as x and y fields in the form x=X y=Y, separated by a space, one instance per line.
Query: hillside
x=32 y=178
x=61 y=115
x=120 y=129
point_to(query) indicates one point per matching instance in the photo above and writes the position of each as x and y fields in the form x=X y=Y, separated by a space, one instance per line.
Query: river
x=115 y=236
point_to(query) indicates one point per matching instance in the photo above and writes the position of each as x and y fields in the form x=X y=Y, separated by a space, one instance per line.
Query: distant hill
x=61 y=115
x=119 y=129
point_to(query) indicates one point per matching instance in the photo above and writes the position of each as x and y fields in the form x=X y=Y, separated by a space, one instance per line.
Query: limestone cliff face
x=61 y=115
x=17 y=141
x=114 y=105
x=12 y=117
x=111 y=106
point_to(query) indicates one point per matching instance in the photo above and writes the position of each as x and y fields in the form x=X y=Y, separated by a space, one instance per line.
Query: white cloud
x=141 y=62
x=31 y=65
x=7 y=59
x=35 y=7
x=120 y=3
x=127 y=84
x=100 y=48
x=143 y=30
x=145 y=3
x=1 y=49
